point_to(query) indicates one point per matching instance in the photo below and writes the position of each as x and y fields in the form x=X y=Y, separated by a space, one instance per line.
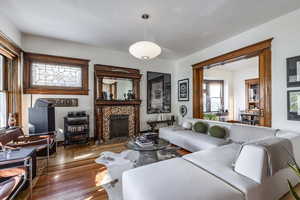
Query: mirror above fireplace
x=117 y=89
x=116 y=84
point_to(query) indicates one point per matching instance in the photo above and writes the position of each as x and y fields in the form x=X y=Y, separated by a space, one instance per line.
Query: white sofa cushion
x=175 y=179
x=187 y=125
x=245 y=133
x=268 y=155
x=218 y=161
x=189 y=140
x=249 y=157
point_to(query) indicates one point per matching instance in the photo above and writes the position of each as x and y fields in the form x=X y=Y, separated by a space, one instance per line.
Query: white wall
x=286 y=43
x=10 y=30
x=49 y=46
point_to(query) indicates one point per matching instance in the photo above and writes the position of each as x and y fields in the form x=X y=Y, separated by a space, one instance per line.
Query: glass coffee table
x=148 y=155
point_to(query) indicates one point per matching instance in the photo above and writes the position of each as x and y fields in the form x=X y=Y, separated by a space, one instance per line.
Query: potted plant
x=210 y=116
x=295 y=167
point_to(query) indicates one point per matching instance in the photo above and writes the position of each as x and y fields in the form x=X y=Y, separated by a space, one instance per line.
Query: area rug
x=118 y=163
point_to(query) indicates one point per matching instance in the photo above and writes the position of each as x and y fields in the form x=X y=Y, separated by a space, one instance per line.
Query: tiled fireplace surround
x=105 y=111
x=117 y=110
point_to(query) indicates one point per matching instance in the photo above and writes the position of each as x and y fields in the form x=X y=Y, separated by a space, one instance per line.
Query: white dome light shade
x=145 y=50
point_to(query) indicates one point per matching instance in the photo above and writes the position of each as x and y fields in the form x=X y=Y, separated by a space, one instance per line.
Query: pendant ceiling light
x=145 y=50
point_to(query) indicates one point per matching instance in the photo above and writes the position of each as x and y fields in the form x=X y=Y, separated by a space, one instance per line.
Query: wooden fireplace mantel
x=117 y=103
x=101 y=105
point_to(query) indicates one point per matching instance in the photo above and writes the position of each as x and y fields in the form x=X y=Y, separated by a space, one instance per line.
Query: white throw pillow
x=187 y=125
x=252 y=163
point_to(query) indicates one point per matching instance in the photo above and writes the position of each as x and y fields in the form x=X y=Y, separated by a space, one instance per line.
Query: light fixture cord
x=144 y=21
x=145 y=24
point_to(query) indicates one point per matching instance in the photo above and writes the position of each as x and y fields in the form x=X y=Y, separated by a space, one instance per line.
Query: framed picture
x=293 y=108
x=183 y=90
x=63 y=102
x=158 y=92
x=293 y=71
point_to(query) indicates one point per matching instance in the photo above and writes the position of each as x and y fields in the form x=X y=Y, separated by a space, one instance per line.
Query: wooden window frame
x=4 y=80
x=12 y=77
x=263 y=51
x=30 y=58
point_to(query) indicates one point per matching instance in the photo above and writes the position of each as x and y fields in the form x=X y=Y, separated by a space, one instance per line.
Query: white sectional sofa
x=208 y=173
x=192 y=141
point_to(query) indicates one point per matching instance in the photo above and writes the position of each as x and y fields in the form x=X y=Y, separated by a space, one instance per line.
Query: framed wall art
x=63 y=102
x=183 y=90
x=293 y=107
x=158 y=92
x=293 y=71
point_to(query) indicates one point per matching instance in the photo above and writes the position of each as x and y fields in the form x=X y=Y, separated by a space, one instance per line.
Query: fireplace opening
x=119 y=126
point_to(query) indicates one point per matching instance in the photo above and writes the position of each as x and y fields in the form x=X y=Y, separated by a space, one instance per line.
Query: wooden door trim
x=263 y=51
x=265 y=87
x=253 y=49
x=198 y=93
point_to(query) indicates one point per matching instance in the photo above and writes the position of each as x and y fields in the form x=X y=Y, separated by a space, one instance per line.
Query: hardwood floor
x=74 y=175
x=81 y=152
x=74 y=180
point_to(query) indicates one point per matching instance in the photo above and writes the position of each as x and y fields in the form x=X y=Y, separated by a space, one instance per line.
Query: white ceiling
x=181 y=27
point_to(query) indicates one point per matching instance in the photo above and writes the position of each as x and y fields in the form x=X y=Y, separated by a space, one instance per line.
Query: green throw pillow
x=217 y=131
x=200 y=127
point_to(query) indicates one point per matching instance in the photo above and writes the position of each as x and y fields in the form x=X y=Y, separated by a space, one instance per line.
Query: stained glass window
x=44 y=74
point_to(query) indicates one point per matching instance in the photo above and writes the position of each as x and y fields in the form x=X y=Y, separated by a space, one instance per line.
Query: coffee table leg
x=147 y=157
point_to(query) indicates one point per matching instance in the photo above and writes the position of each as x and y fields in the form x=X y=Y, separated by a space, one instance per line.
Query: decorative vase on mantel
x=11 y=120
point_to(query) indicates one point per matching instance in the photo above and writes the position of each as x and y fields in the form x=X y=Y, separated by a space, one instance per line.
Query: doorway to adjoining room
x=231 y=92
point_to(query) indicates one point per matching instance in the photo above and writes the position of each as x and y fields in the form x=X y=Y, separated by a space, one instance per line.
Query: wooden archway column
x=260 y=49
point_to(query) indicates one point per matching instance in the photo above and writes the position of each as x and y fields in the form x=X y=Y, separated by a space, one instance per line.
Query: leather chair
x=8 y=186
x=43 y=142
x=12 y=179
